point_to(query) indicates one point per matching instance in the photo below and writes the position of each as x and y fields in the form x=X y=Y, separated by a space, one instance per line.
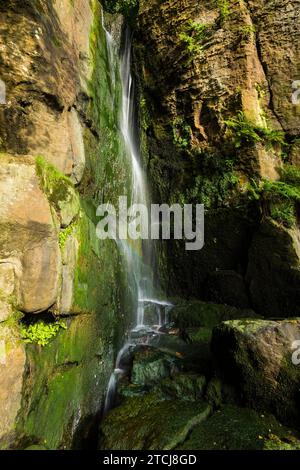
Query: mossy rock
x=255 y=357
x=65 y=384
x=235 y=428
x=147 y=423
x=196 y=313
x=150 y=366
x=186 y=387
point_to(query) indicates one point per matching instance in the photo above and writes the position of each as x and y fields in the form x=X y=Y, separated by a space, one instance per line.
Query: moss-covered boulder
x=150 y=366
x=147 y=423
x=236 y=428
x=256 y=357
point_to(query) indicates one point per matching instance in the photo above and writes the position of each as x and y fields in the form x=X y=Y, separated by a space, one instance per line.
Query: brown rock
x=12 y=364
x=256 y=356
x=29 y=238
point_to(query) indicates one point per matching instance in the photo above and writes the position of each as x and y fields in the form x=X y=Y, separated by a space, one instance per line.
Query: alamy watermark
x=296 y=353
x=2 y=92
x=160 y=221
x=296 y=93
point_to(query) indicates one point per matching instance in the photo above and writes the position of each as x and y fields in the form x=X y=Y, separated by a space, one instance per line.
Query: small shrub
x=290 y=174
x=193 y=35
x=282 y=196
x=224 y=9
x=125 y=7
x=65 y=234
x=181 y=133
x=246 y=132
x=283 y=212
x=41 y=333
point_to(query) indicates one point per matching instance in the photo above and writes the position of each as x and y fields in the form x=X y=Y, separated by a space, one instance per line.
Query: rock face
x=29 y=237
x=59 y=152
x=218 y=120
x=256 y=356
x=12 y=364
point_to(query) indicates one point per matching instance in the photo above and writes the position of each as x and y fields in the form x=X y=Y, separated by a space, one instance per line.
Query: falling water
x=133 y=253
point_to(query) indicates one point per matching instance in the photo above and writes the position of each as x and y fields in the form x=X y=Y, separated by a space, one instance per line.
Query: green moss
x=224 y=9
x=65 y=234
x=58 y=188
x=290 y=174
x=248 y=32
x=196 y=314
x=234 y=428
x=14 y=319
x=66 y=383
x=148 y=423
x=40 y=332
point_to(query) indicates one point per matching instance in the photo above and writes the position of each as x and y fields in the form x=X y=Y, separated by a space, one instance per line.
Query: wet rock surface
x=169 y=399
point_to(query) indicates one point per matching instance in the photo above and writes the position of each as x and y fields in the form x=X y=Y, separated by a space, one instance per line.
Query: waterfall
x=135 y=253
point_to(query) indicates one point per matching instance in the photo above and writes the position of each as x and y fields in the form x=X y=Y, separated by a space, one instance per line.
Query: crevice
x=265 y=69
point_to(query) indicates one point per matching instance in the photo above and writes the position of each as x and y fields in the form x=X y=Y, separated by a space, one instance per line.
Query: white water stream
x=150 y=312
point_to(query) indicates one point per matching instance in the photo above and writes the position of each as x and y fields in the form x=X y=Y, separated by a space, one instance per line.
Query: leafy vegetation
x=145 y=114
x=41 y=333
x=224 y=9
x=125 y=7
x=65 y=234
x=246 y=132
x=282 y=197
x=193 y=35
x=181 y=133
x=213 y=183
x=247 y=31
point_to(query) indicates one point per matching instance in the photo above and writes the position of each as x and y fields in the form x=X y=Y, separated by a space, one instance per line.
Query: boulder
x=147 y=423
x=256 y=357
x=236 y=428
x=29 y=249
x=12 y=368
x=150 y=366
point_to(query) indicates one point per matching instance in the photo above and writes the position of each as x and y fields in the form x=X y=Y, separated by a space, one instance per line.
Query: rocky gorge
x=216 y=125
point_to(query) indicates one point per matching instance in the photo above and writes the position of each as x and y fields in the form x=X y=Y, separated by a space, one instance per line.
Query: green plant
x=145 y=114
x=283 y=212
x=193 y=35
x=247 y=132
x=247 y=31
x=224 y=10
x=181 y=133
x=65 y=234
x=282 y=197
x=41 y=332
x=125 y=7
x=213 y=182
x=55 y=184
x=290 y=174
